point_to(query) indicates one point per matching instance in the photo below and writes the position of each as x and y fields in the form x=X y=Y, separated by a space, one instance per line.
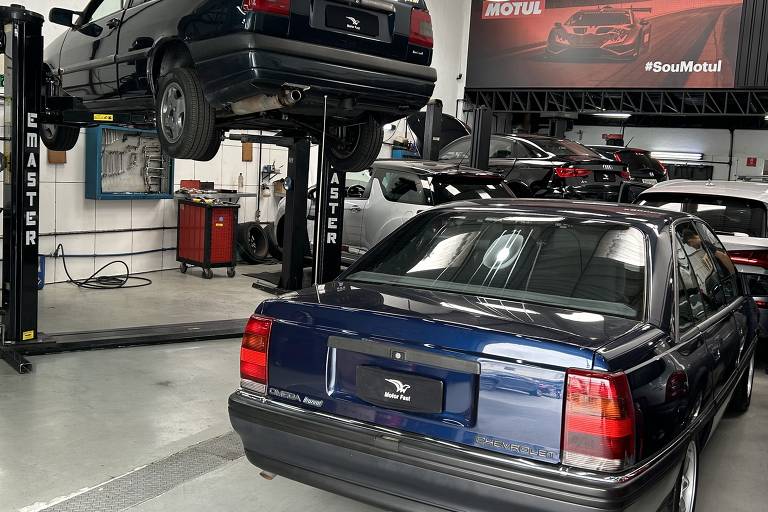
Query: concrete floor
x=85 y=418
x=172 y=298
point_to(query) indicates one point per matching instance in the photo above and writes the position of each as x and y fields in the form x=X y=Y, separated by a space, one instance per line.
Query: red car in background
x=605 y=32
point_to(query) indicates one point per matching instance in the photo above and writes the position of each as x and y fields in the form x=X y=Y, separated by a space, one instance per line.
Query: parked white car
x=397 y=191
x=738 y=212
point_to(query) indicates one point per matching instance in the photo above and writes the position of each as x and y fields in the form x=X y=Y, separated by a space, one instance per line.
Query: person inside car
x=694 y=244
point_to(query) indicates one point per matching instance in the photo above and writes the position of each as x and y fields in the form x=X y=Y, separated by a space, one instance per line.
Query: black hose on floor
x=96 y=282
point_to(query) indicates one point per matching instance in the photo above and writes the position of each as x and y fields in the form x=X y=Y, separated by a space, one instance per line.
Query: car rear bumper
x=241 y=65
x=402 y=472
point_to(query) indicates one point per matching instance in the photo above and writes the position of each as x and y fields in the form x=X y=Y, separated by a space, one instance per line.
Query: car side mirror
x=65 y=17
x=356 y=192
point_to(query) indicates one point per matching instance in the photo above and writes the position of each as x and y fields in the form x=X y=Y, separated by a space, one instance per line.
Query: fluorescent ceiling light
x=766 y=117
x=613 y=115
x=674 y=155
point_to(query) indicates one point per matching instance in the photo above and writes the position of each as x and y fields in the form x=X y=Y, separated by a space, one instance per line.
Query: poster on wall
x=661 y=44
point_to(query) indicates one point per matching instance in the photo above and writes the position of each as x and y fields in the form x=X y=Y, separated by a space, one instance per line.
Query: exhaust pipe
x=267 y=476
x=264 y=102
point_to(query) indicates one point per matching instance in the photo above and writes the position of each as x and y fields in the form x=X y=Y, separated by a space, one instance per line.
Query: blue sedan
x=505 y=355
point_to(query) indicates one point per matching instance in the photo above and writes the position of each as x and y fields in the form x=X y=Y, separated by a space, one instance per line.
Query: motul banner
x=597 y=44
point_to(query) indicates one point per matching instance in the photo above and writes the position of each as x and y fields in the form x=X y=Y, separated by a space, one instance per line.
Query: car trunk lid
x=486 y=373
x=374 y=27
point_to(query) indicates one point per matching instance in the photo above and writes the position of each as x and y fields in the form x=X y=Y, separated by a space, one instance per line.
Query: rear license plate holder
x=351 y=20
x=604 y=177
x=400 y=391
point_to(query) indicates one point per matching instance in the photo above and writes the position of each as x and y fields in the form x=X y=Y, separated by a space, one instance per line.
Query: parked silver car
x=738 y=212
x=397 y=191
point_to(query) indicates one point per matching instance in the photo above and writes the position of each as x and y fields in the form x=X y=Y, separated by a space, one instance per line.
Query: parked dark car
x=641 y=166
x=606 y=32
x=371 y=386
x=203 y=66
x=547 y=167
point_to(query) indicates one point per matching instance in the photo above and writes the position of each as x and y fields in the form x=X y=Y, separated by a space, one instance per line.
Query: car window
x=502 y=148
x=668 y=202
x=725 y=267
x=104 y=9
x=526 y=150
x=598 y=19
x=446 y=190
x=692 y=246
x=563 y=147
x=640 y=160
x=569 y=263
x=730 y=216
x=457 y=151
x=402 y=187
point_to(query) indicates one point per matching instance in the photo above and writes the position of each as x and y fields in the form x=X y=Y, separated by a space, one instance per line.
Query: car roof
x=616 y=148
x=739 y=189
x=430 y=168
x=642 y=217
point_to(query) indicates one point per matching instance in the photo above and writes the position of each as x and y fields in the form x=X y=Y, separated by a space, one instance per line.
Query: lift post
x=481 y=139
x=433 y=128
x=23 y=59
x=329 y=223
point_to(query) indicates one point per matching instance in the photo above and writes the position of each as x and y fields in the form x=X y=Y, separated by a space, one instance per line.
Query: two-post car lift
x=29 y=103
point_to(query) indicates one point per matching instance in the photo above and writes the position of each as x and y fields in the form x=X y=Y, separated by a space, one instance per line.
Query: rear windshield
x=591 y=19
x=447 y=191
x=639 y=160
x=568 y=263
x=564 y=147
x=726 y=215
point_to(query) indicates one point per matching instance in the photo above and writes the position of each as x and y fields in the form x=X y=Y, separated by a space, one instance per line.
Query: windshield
x=729 y=216
x=465 y=189
x=568 y=263
x=564 y=147
x=592 y=19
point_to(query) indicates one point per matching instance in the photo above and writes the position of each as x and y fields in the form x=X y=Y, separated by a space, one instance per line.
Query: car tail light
x=421 y=28
x=253 y=354
x=761 y=304
x=753 y=258
x=599 y=429
x=617 y=156
x=572 y=172
x=625 y=174
x=279 y=7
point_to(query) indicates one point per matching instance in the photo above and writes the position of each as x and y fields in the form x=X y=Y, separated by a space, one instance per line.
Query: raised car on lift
x=203 y=66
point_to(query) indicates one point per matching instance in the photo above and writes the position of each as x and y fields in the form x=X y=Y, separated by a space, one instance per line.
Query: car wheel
x=186 y=123
x=684 y=497
x=59 y=138
x=252 y=241
x=359 y=146
x=742 y=396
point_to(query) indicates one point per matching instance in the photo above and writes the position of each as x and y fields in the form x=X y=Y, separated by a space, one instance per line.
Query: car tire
x=360 y=147
x=687 y=484
x=59 y=138
x=742 y=396
x=252 y=241
x=186 y=122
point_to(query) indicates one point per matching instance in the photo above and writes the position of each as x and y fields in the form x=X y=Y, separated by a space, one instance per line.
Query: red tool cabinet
x=206 y=237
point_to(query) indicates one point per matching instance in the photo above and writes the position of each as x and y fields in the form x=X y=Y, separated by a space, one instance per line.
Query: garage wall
x=450 y=22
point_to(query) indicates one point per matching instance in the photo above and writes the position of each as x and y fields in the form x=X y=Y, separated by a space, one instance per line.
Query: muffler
x=264 y=102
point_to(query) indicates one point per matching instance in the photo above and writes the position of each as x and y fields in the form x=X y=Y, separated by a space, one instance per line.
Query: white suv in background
x=738 y=212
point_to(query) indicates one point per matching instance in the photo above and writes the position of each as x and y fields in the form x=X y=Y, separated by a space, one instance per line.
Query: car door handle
x=113 y=23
